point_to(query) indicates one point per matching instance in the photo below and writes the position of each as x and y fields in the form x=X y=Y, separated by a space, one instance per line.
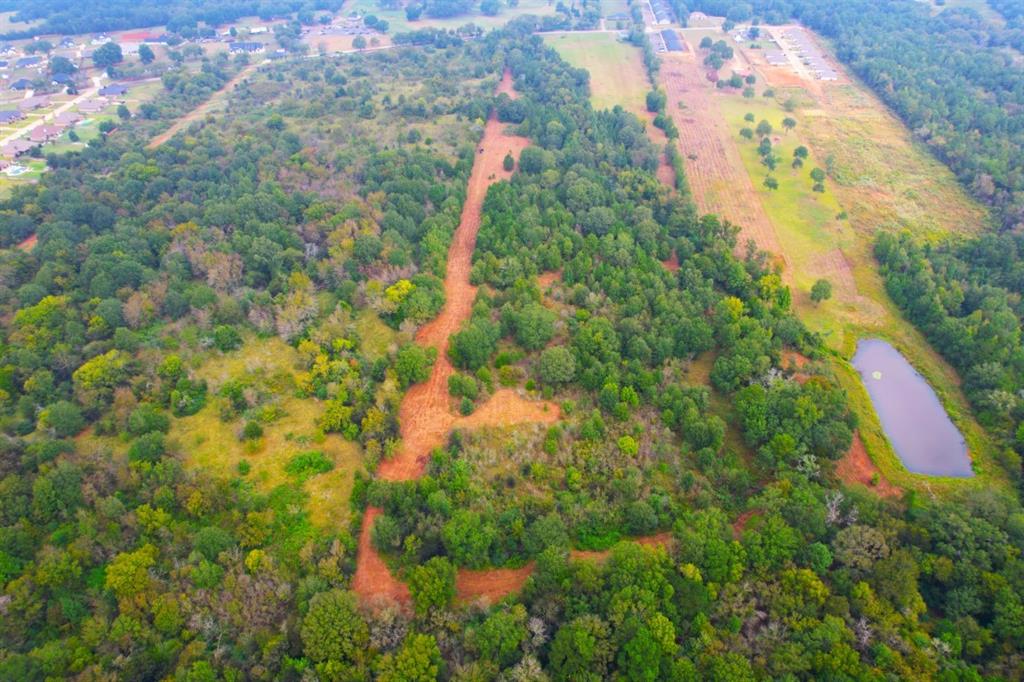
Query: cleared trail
x=426 y=415
x=201 y=111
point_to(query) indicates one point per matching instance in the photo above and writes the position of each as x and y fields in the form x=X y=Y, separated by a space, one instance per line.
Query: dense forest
x=67 y=17
x=946 y=75
x=327 y=194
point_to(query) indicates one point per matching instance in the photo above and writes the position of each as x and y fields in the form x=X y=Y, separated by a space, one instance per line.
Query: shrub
x=147 y=448
x=306 y=465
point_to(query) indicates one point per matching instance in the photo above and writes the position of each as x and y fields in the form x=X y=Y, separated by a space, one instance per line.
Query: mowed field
x=878 y=178
x=617 y=74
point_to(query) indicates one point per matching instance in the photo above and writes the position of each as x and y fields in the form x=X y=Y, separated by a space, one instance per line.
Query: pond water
x=917 y=425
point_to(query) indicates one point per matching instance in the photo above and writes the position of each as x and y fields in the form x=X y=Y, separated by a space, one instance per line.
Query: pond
x=920 y=430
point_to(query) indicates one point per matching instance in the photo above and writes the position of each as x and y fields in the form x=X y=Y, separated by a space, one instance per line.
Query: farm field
x=878 y=178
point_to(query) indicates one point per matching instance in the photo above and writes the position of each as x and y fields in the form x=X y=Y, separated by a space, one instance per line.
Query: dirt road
x=201 y=111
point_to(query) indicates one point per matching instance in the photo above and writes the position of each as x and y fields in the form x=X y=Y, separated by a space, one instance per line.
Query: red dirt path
x=856 y=467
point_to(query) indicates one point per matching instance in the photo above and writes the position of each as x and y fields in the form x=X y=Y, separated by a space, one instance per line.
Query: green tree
x=789 y=123
x=764 y=129
x=509 y=162
x=821 y=290
x=432 y=585
x=146 y=55
x=333 y=629
x=413 y=363
x=581 y=650
x=418 y=660
x=63 y=417
x=500 y=637
x=62 y=65
x=817 y=175
x=107 y=55
x=556 y=365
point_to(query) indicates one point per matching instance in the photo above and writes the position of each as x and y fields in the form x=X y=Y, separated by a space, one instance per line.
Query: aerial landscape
x=511 y=340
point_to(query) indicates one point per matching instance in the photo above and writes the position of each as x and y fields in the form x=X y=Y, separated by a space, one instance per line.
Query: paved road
x=22 y=132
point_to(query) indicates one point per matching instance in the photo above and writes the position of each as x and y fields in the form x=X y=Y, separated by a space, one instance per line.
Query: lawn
x=399 y=24
x=617 y=74
x=208 y=442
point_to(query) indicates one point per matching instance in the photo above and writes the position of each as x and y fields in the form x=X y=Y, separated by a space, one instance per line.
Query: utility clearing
x=426 y=415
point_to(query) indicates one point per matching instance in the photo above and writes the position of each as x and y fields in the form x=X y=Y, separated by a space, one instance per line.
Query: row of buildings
x=810 y=54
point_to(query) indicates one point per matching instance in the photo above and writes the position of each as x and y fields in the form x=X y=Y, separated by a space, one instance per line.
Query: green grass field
x=617 y=74
x=399 y=24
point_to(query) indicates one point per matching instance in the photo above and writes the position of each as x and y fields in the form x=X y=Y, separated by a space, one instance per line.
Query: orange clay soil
x=672 y=264
x=200 y=111
x=492 y=584
x=856 y=467
x=28 y=243
x=373 y=580
x=426 y=416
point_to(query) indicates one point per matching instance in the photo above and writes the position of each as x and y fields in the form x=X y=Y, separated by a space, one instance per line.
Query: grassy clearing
x=376 y=339
x=617 y=74
x=210 y=443
x=399 y=24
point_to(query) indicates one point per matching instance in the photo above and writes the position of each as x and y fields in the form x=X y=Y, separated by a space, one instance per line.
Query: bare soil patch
x=741 y=522
x=28 y=243
x=426 y=415
x=672 y=264
x=490 y=585
x=546 y=279
x=856 y=467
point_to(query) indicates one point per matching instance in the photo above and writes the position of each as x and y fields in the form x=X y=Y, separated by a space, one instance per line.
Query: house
x=28 y=62
x=16 y=148
x=93 y=106
x=62 y=79
x=246 y=47
x=10 y=116
x=21 y=84
x=67 y=42
x=33 y=103
x=257 y=30
x=67 y=118
x=41 y=134
x=114 y=90
x=4 y=63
